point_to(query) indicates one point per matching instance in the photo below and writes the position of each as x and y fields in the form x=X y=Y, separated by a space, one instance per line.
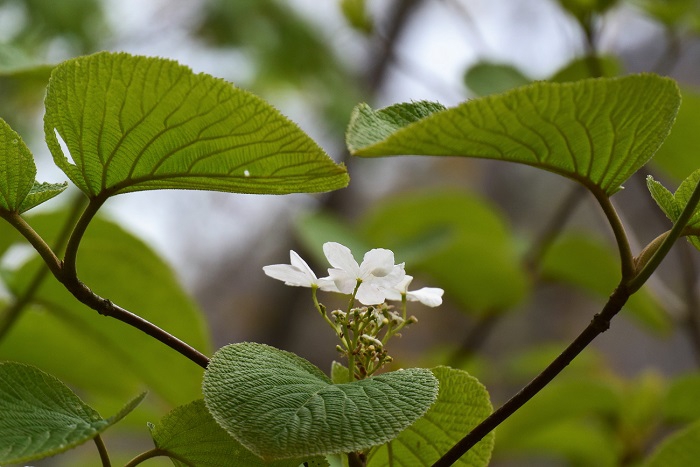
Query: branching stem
x=626 y=257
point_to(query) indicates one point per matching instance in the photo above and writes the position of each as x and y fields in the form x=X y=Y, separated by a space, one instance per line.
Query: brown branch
x=599 y=324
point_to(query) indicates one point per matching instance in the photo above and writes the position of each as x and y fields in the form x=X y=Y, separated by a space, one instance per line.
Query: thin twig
x=144 y=456
x=13 y=312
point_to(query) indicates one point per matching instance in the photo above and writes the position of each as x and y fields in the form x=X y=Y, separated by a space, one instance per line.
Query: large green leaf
x=18 y=190
x=135 y=123
x=681 y=449
x=460 y=240
x=461 y=404
x=114 y=358
x=595 y=131
x=590 y=263
x=41 y=416
x=279 y=405
x=191 y=437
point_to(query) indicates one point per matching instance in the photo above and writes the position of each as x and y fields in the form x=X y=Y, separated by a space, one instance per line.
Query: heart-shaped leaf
x=18 y=190
x=596 y=131
x=461 y=405
x=42 y=417
x=191 y=437
x=135 y=123
x=280 y=406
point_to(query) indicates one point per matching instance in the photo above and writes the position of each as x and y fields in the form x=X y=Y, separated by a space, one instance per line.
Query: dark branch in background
x=487 y=322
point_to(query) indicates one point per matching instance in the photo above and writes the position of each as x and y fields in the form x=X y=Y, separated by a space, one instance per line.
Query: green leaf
x=461 y=405
x=591 y=264
x=681 y=449
x=588 y=67
x=135 y=123
x=355 y=12
x=192 y=438
x=580 y=442
x=41 y=416
x=18 y=190
x=484 y=78
x=673 y=204
x=41 y=192
x=339 y=373
x=681 y=401
x=279 y=405
x=456 y=238
x=115 y=360
x=596 y=131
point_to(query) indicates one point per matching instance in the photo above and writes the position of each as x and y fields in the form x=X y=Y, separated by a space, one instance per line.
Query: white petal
x=327 y=285
x=391 y=280
x=343 y=281
x=341 y=257
x=402 y=286
x=369 y=294
x=378 y=262
x=300 y=264
x=430 y=296
x=289 y=274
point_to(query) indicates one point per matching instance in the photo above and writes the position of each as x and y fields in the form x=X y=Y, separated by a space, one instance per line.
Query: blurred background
x=526 y=257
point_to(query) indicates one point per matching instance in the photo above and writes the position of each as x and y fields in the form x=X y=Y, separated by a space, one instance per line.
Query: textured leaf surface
x=18 y=190
x=596 y=131
x=136 y=123
x=192 y=438
x=41 y=416
x=279 y=405
x=115 y=360
x=673 y=204
x=591 y=264
x=461 y=404
x=681 y=449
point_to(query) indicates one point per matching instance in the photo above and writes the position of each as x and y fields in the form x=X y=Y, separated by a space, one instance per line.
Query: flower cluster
x=362 y=330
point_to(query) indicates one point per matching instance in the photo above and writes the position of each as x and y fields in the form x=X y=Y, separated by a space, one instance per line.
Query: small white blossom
x=430 y=296
x=377 y=274
x=298 y=274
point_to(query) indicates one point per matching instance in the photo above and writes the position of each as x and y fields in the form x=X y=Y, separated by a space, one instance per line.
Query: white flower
x=430 y=296
x=298 y=273
x=377 y=274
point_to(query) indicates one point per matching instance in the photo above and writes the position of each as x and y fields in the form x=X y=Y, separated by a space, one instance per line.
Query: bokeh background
x=315 y=60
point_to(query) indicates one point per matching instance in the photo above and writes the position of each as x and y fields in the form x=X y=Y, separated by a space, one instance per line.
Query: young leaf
x=680 y=449
x=192 y=438
x=461 y=404
x=135 y=123
x=280 y=406
x=596 y=131
x=18 y=190
x=484 y=78
x=41 y=416
x=673 y=204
